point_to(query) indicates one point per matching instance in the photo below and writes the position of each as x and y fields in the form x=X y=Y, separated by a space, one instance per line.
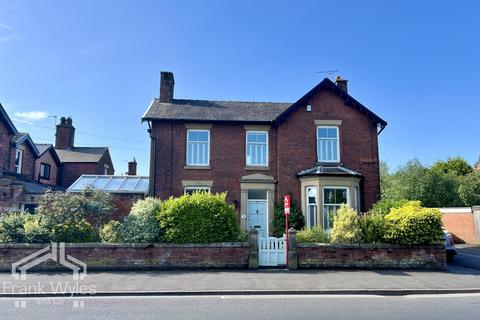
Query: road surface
x=456 y=307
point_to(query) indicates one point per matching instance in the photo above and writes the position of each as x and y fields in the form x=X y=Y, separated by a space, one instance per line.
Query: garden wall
x=101 y=256
x=462 y=224
x=370 y=256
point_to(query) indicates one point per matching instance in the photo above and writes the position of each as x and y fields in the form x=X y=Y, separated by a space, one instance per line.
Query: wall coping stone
x=368 y=246
x=127 y=245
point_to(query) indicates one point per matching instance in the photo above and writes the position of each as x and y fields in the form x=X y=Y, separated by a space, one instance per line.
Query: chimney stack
x=167 y=83
x=65 y=135
x=132 y=168
x=342 y=83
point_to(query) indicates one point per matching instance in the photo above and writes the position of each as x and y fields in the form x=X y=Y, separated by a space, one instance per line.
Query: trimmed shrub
x=198 y=218
x=111 y=232
x=412 y=224
x=70 y=231
x=313 y=235
x=373 y=226
x=11 y=227
x=295 y=219
x=346 y=228
x=141 y=225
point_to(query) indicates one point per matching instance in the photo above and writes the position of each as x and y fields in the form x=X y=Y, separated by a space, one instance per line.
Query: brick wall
x=296 y=144
x=461 y=223
x=138 y=256
x=123 y=203
x=47 y=158
x=71 y=171
x=370 y=256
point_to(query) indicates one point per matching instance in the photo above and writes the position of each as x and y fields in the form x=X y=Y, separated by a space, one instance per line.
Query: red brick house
x=79 y=160
x=48 y=166
x=19 y=186
x=322 y=149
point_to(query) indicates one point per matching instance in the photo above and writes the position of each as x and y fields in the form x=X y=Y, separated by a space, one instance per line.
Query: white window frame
x=106 y=167
x=307 y=205
x=337 y=128
x=246 y=149
x=332 y=205
x=208 y=149
x=19 y=156
x=196 y=188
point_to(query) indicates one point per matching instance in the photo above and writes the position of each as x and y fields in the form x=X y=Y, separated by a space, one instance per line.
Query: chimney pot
x=342 y=83
x=167 y=84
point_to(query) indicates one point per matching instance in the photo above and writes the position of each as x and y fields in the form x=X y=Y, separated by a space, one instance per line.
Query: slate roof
x=328 y=170
x=243 y=111
x=42 y=147
x=31 y=186
x=206 y=110
x=81 y=154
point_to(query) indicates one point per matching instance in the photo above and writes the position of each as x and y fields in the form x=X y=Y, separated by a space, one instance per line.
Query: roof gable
x=4 y=117
x=327 y=84
x=43 y=148
x=22 y=137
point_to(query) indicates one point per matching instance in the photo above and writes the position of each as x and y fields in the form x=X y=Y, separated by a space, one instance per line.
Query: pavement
x=463 y=276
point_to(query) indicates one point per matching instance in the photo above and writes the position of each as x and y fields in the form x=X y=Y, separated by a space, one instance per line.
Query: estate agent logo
x=56 y=252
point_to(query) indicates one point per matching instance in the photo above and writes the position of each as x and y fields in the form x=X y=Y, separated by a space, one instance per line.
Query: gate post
x=253 y=250
x=292 y=249
x=476 y=218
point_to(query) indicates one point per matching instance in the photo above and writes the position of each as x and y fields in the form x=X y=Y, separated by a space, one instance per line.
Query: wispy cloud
x=30 y=116
x=8 y=33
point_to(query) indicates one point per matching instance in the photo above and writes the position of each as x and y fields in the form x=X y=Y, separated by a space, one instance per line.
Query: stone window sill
x=197 y=167
x=258 y=168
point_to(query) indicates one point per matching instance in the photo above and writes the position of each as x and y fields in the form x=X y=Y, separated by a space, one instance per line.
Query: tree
x=295 y=219
x=456 y=165
x=469 y=189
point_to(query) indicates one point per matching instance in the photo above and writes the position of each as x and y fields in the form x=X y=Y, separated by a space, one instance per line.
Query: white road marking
x=468 y=255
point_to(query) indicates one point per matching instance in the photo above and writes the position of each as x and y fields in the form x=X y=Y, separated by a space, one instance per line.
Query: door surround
x=260 y=182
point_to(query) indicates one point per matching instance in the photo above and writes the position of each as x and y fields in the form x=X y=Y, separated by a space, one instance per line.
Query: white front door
x=257 y=217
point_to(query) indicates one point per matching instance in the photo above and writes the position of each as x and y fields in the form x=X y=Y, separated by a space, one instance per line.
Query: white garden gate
x=272 y=251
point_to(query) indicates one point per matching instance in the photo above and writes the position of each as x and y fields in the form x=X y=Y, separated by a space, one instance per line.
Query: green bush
x=198 y=218
x=346 y=228
x=313 y=235
x=295 y=219
x=91 y=205
x=383 y=206
x=70 y=231
x=412 y=224
x=35 y=230
x=11 y=227
x=373 y=226
x=141 y=225
x=111 y=232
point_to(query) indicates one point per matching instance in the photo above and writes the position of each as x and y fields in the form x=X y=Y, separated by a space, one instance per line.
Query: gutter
x=153 y=161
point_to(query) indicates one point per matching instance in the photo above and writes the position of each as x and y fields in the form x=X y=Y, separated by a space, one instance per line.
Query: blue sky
x=414 y=63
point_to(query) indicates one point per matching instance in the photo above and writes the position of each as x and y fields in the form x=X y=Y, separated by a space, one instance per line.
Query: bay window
x=333 y=198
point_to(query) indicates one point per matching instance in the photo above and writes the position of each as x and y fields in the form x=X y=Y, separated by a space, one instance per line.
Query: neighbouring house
x=48 y=166
x=79 y=160
x=126 y=190
x=321 y=149
x=19 y=187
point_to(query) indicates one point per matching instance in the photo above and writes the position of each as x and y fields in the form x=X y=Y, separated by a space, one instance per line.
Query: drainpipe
x=153 y=160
